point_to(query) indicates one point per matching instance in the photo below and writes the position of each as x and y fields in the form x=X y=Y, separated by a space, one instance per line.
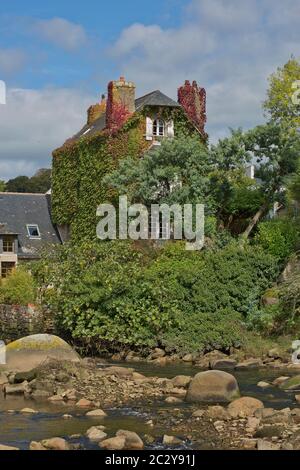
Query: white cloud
x=11 y=60
x=61 y=32
x=35 y=122
x=229 y=46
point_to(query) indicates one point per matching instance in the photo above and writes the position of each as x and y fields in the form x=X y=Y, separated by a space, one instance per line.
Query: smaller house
x=25 y=228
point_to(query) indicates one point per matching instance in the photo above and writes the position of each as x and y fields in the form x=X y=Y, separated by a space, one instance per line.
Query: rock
x=293 y=383
x=96 y=414
x=56 y=443
x=278 y=417
x=217 y=412
x=297 y=398
x=221 y=364
x=17 y=389
x=70 y=395
x=264 y=412
x=280 y=380
x=40 y=395
x=178 y=392
x=157 y=353
x=160 y=361
x=266 y=445
x=198 y=414
x=36 y=446
x=244 y=407
x=62 y=377
x=206 y=361
x=84 y=403
x=249 y=364
x=28 y=411
x=252 y=424
x=118 y=371
x=213 y=387
x=27 y=353
x=181 y=380
x=132 y=440
x=173 y=400
x=171 y=440
x=270 y=431
x=249 y=444
x=3 y=379
x=45 y=385
x=264 y=385
x=96 y=434
x=66 y=416
x=9 y=448
x=137 y=376
x=188 y=358
x=114 y=443
x=56 y=399
x=28 y=376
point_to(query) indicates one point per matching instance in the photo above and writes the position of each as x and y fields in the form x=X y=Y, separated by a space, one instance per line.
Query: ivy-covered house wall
x=80 y=164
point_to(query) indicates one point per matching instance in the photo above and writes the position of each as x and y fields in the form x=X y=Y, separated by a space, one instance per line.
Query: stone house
x=25 y=228
x=118 y=126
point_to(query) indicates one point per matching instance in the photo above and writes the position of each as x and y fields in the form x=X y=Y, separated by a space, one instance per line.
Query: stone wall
x=17 y=321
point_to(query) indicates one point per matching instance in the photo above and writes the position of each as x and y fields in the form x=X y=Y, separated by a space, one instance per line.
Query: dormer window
x=33 y=231
x=158 y=128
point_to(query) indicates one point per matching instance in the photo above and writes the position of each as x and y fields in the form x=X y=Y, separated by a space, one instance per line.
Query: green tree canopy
x=280 y=105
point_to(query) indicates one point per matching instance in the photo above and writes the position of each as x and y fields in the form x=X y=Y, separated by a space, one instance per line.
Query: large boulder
x=213 y=386
x=29 y=352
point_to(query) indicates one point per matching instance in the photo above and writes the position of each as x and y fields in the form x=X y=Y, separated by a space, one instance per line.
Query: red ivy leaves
x=193 y=100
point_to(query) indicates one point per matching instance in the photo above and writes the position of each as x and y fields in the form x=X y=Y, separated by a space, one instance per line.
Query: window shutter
x=149 y=129
x=170 y=128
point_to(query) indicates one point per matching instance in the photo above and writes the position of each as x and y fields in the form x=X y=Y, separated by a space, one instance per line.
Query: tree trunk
x=259 y=214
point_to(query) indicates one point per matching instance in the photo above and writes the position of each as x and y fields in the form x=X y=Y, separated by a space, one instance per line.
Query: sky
x=56 y=58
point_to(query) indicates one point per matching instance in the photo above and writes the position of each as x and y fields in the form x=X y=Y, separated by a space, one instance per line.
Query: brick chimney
x=96 y=111
x=120 y=103
x=193 y=100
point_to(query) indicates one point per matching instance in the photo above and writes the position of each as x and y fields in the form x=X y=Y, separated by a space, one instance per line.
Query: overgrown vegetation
x=18 y=288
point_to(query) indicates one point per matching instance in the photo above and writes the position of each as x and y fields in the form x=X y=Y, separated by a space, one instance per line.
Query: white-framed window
x=158 y=128
x=33 y=231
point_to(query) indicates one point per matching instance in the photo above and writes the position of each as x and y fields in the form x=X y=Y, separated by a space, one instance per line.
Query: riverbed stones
x=244 y=407
x=173 y=400
x=217 y=412
x=36 y=446
x=55 y=443
x=28 y=376
x=213 y=387
x=28 y=411
x=27 y=353
x=267 y=445
x=16 y=389
x=181 y=381
x=84 y=403
x=264 y=385
x=8 y=448
x=280 y=380
x=96 y=414
x=249 y=364
x=293 y=383
x=118 y=371
x=56 y=399
x=132 y=440
x=223 y=364
x=96 y=434
x=171 y=440
x=114 y=443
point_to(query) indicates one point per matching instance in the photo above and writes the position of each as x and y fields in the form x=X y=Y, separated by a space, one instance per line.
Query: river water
x=19 y=430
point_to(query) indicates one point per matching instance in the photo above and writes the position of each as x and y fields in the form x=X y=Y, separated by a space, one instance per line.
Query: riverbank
x=93 y=393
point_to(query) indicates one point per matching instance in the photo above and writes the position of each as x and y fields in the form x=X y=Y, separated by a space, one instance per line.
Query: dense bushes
x=122 y=293
x=279 y=237
x=18 y=288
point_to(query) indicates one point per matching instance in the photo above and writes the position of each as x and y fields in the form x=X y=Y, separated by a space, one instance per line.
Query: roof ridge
x=23 y=194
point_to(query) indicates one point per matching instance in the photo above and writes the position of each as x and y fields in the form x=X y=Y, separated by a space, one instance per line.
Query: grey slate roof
x=17 y=210
x=155 y=98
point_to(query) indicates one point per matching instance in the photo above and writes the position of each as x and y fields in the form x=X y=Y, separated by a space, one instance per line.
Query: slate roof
x=17 y=210
x=155 y=98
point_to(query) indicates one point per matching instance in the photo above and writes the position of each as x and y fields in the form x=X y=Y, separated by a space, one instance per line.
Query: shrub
x=18 y=288
x=121 y=293
x=279 y=237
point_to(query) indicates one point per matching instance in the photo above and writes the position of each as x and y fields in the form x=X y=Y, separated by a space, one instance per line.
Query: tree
x=277 y=150
x=283 y=93
x=2 y=186
x=39 y=183
x=177 y=172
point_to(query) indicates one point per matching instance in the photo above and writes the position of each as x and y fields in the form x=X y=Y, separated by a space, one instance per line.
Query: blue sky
x=56 y=58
